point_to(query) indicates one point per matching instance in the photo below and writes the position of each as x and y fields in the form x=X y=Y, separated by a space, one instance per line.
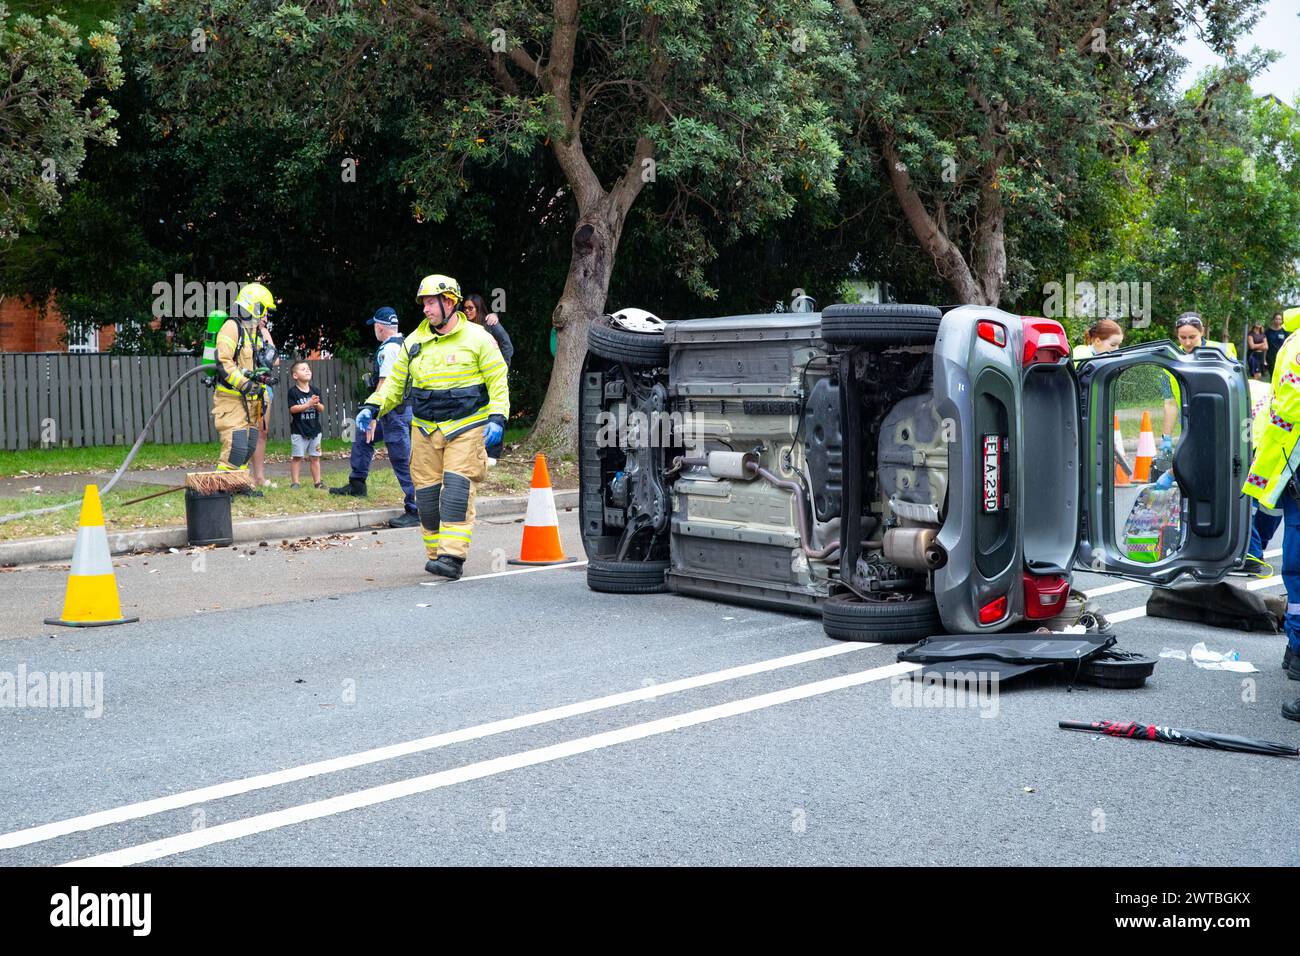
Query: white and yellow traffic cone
x=541 y=544
x=91 y=599
x=1146 y=451
x=1122 y=470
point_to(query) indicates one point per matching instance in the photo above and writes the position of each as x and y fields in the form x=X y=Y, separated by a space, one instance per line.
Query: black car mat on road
x=1092 y=658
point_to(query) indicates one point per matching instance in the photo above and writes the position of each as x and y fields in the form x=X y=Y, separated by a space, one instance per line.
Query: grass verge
x=510 y=477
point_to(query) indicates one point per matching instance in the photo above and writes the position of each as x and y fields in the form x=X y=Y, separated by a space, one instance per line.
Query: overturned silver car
x=900 y=470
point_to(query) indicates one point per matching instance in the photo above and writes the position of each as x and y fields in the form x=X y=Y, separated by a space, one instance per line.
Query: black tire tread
x=632 y=348
x=846 y=618
x=627 y=577
x=882 y=324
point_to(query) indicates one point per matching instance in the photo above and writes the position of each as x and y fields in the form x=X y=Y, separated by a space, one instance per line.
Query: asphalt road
x=593 y=729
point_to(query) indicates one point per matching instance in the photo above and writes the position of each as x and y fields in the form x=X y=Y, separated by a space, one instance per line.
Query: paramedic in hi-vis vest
x=455 y=378
x=238 y=400
x=1271 y=482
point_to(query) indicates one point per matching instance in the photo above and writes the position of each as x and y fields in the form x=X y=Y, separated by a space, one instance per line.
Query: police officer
x=239 y=400
x=395 y=427
x=455 y=379
x=1271 y=482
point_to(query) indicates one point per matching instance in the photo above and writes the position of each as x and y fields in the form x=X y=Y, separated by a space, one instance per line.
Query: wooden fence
x=57 y=399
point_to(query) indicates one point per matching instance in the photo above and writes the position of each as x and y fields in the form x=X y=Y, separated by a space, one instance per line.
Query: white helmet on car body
x=637 y=320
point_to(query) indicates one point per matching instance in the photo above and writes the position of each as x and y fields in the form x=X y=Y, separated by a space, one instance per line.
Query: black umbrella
x=1187 y=738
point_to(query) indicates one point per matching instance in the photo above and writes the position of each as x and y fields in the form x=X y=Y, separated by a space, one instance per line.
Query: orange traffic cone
x=1122 y=470
x=1146 y=451
x=91 y=599
x=541 y=543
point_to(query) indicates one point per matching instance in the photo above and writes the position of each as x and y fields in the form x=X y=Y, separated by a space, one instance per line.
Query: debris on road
x=316 y=544
x=1209 y=660
x=1184 y=738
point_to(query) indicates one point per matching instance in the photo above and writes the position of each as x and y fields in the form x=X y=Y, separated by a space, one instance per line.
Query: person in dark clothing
x=1275 y=335
x=475 y=310
x=1257 y=356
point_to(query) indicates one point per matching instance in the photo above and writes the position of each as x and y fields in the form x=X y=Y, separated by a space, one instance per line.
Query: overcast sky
x=1278 y=29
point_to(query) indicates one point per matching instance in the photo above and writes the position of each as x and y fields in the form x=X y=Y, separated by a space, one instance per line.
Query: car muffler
x=914 y=548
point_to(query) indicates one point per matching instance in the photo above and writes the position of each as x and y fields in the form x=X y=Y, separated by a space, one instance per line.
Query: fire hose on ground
x=130 y=455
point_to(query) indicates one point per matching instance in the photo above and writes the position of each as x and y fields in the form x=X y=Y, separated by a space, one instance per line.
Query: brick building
x=23 y=329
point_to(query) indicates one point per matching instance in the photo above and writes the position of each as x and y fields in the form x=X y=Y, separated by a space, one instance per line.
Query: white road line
x=264 y=822
x=1262 y=583
x=176 y=801
x=1114 y=589
x=502 y=574
x=1120 y=617
x=1131 y=585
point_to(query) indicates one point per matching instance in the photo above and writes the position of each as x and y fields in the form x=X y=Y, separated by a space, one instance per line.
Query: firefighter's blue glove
x=1166 y=480
x=493 y=433
x=1166 y=445
x=365 y=416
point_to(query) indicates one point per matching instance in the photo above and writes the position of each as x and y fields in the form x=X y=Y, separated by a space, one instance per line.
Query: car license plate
x=992 y=473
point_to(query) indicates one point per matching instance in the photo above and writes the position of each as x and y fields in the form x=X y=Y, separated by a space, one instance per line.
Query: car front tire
x=627 y=577
x=847 y=617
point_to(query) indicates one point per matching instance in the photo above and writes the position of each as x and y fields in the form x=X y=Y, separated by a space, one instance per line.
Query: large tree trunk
x=990 y=257
x=948 y=259
x=591 y=263
x=601 y=214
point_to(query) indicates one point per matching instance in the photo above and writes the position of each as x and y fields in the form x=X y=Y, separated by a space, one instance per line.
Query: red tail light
x=994 y=611
x=1045 y=595
x=1044 y=341
x=992 y=332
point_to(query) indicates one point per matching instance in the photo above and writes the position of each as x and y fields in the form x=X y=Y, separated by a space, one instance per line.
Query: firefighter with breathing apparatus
x=1271 y=481
x=240 y=370
x=455 y=379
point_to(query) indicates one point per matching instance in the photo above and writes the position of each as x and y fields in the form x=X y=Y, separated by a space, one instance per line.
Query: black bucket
x=207 y=518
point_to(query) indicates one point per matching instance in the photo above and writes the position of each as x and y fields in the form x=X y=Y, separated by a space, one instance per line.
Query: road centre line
x=384 y=793
x=220 y=791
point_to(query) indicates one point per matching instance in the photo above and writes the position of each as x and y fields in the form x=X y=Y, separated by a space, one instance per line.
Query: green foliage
x=992 y=111
x=44 y=124
x=1209 y=218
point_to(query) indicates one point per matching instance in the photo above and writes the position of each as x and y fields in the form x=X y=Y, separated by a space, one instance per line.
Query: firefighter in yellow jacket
x=1271 y=482
x=239 y=400
x=455 y=378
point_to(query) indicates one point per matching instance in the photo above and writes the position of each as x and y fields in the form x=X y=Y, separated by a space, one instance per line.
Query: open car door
x=1129 y=525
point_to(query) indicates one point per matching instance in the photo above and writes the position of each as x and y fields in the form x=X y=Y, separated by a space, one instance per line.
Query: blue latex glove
x=365 y=416
x=1166 y=445
x=493 y=433
x=1166 y=480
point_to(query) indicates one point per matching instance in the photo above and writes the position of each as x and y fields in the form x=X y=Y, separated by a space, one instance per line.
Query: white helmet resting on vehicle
x=637 y=320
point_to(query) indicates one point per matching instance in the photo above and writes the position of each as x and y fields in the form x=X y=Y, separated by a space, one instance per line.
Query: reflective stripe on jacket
x=456 y=381
x=1276 y=456
x=234 y=353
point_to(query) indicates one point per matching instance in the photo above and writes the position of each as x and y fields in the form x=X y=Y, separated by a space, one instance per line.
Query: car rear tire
x=627 y=577
x=847 y=617
x=883 y=324
x=644 y=349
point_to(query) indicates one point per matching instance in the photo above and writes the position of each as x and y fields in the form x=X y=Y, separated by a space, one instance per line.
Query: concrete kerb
x=55 y=549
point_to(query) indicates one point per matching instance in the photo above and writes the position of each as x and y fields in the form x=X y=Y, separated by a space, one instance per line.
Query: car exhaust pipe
x=914 y=548
x=800 y=507
x=745 y=466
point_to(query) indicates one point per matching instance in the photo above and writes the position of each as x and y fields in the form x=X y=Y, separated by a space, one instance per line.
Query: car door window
x=1148 y=523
